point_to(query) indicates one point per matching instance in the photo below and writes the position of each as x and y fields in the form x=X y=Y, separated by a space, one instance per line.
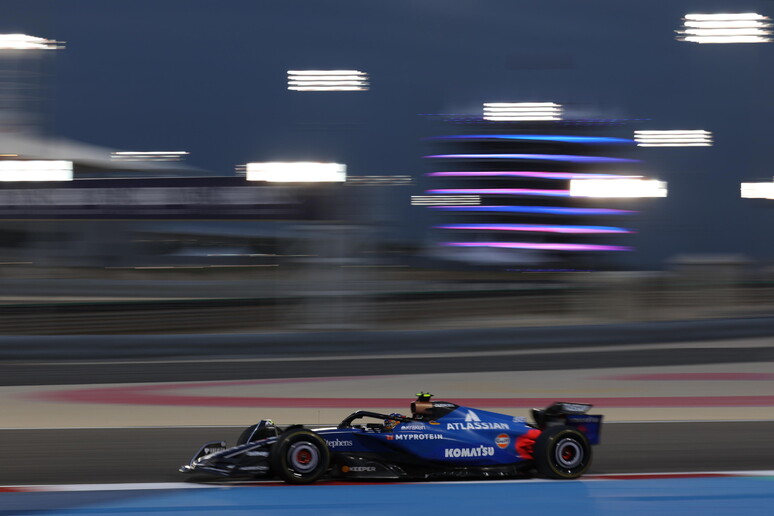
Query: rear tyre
x=300 y=457
x=562 y=452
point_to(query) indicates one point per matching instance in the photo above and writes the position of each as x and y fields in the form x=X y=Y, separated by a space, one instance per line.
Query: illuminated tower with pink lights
x=504 y=190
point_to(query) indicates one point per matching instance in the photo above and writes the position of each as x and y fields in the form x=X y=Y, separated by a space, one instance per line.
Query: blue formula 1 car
x=440 y=440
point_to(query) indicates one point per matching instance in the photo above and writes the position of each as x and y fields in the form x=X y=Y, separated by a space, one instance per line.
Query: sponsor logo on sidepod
x=472 y=416
x=477 y=425
x=502 y=441
x=338 y=443
x=347 y=469
x=417 y=437
x=478 y=451
x=473 y=422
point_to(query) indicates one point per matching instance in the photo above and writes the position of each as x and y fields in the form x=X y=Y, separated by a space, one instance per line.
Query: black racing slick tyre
x=562 y=452
x=300 y=457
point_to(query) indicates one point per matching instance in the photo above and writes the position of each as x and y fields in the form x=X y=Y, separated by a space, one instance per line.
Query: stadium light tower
x=19 y=76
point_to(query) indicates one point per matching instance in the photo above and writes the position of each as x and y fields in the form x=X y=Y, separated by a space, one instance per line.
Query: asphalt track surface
x=56 y=456
x=98 y=372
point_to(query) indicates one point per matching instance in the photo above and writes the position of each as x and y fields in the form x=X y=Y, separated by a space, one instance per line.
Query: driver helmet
x=391 y=423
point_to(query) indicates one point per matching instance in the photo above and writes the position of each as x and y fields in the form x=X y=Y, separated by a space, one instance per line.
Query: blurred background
x=262 y=166
x=215 y=211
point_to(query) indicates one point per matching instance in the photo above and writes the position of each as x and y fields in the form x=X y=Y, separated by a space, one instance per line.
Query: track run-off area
x=748 y=493
x=108 y=436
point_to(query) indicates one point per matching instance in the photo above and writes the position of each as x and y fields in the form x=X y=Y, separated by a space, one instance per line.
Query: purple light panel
x=551 y=210
x=502 y=191
x=537 y=137
x=539 y=228
x=540 y=246
x=540 y=157
x=543 y=175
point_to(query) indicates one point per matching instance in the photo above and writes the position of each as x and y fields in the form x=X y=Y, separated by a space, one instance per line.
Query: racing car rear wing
x=570 y=414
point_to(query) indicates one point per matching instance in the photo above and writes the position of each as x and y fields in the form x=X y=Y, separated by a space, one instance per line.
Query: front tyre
x=300 y=457
x=562 y=452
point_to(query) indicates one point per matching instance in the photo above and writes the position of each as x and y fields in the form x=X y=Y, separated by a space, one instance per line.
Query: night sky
x=209 y=77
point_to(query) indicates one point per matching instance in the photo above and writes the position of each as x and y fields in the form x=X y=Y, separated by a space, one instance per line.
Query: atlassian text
x=477 y=425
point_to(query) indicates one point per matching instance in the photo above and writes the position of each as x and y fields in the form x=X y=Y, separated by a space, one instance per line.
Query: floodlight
x=758 y=190
x=36 y=170
x=521 y=111
x=327 y=80
x=693 y=138
x=25 y=42
x=297 y=172
x=621 y=188
x=725 y=28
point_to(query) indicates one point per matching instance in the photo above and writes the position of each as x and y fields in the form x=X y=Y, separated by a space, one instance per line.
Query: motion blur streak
x=522 y=111
x=725 y=28
x=620 y=188
x=540 y=228
x=539 y=157
x=435 y=200
x=148 y=155
x=553 y=210
x=697 y=138
x=25 y=42
x=297 y=172
x=37 y=170
x=502 y=191
x=758 y=190
x=541 y=175
x=537 y=137
x=327 y=80
x=378 y=180
x=545 y=247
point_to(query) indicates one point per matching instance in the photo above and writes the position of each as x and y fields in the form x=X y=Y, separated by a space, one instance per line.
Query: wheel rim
x=568 y=453
x=303 y=457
